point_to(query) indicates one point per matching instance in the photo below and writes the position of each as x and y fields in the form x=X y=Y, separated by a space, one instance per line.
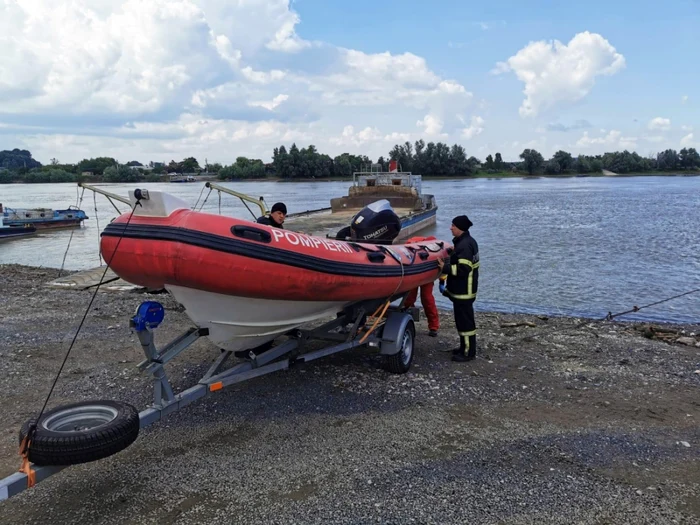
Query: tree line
x=430 y=160
x=563 y=162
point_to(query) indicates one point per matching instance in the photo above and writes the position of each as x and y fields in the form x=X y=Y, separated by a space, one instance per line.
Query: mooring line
x=79 y=206
x=609 y=317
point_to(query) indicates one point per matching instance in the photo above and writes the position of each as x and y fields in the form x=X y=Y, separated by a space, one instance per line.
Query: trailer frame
x=393 y=335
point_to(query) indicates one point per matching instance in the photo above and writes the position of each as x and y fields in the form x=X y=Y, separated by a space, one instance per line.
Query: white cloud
x=285 y=38
x=431 y=124
x=659 y=124
x=128 y=68
x=269 y=104
x=684 y=99
x=688 y=141
x=475 y=128
x=191 y=133
x=87 y=59
x=687 y=128
x=654 y=138
x=385 y=79
x=554 y=72
x=262 y=77
x=349 y=137
x=129 y=56
x=501 y=67
x=396 y=137
x=614 y=140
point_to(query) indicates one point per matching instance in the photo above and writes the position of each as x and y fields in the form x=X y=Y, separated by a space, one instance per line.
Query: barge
x=415 y=209
x=43 y=218
x=15 y=232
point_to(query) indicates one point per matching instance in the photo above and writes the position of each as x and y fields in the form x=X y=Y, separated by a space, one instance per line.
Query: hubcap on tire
x=79 y=418
x=406 y=347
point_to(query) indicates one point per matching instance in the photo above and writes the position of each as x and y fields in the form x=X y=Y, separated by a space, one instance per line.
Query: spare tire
x=81 y=432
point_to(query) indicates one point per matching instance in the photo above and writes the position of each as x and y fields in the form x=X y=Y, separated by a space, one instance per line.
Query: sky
x=161 y=80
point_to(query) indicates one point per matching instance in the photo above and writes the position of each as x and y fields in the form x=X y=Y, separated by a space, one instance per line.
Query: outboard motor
x=375 y=223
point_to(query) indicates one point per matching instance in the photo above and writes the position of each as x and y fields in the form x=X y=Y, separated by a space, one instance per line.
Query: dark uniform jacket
x=463 y=269
x=268 y=221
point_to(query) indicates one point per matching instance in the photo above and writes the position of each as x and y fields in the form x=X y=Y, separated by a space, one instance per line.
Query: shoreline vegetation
x=434 y=161
x=489 y=176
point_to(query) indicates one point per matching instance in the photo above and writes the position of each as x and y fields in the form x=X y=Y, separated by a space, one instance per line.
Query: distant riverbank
x=501 y=175
x=478 y=175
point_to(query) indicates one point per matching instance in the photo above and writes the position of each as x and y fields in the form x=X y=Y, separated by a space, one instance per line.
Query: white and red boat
x=248 y=283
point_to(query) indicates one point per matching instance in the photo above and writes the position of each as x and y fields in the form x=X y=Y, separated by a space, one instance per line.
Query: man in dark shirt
x=277 y=216
x=462 y=283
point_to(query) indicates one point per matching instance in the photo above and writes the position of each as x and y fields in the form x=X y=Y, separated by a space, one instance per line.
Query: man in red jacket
x=426 y=297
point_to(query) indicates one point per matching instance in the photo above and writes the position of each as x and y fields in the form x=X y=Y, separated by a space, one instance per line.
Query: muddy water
x=576 y=246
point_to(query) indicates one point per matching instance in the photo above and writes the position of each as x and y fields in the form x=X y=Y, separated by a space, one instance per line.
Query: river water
x=573 y=246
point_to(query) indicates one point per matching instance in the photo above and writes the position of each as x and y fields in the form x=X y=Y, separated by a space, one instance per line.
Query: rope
x=97 y=218
x=200 y=196
x=251 y=211
x=401 y=280
x=205 y=200
x=70 y=239
x=384 y=307
x=24 y=447
x=611 y=316
x=608 y=317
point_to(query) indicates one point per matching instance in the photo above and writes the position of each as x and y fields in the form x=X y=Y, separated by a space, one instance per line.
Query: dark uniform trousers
x=466 y=326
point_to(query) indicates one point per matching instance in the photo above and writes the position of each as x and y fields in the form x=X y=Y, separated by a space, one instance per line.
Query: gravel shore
x=560 y=422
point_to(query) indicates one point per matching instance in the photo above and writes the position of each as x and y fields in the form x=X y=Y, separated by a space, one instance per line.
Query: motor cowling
x=376 y=223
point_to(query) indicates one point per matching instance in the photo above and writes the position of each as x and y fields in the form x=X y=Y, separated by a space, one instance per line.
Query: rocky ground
x=558 y=421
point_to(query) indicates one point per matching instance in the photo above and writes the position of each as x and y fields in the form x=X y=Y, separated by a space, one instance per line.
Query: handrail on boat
x=259 y=202
x=107 y=194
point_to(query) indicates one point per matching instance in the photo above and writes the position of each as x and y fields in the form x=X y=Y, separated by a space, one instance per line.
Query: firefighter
x=277 y=215
x=462 y=275
x=426 y=297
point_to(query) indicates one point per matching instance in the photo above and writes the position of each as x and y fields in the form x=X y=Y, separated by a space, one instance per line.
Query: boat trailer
x=392 y=332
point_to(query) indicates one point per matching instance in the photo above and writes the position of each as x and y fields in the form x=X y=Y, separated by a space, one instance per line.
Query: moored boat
x=15 y=232
x=177 y=177
x=43 y=218
x=247 y=282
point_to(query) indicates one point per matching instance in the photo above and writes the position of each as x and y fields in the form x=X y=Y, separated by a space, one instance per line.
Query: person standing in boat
x=426 y=297
x=462 y=283
x=277 y=215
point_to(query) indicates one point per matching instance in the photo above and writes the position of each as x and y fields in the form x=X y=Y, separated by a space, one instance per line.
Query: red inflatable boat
x=246 y=280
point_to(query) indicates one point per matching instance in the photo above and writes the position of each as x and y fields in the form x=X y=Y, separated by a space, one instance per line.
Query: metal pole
x=104 y=192
x=258 y=202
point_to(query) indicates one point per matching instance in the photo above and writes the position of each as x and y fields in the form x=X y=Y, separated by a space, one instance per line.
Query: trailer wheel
x=82 y=432
x=400 y=362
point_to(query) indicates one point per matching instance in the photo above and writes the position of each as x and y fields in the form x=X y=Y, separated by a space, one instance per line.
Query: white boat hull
x=240 y=323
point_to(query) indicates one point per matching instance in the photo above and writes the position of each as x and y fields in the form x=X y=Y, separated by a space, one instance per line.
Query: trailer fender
x=392 y=333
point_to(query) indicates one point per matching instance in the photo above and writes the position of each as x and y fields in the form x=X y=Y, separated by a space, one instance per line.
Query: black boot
x=463 y=355
x=472 y=348
x=462 y=358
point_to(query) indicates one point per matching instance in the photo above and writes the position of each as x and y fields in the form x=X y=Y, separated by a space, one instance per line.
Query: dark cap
x=279 y=206
x=462 y=222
